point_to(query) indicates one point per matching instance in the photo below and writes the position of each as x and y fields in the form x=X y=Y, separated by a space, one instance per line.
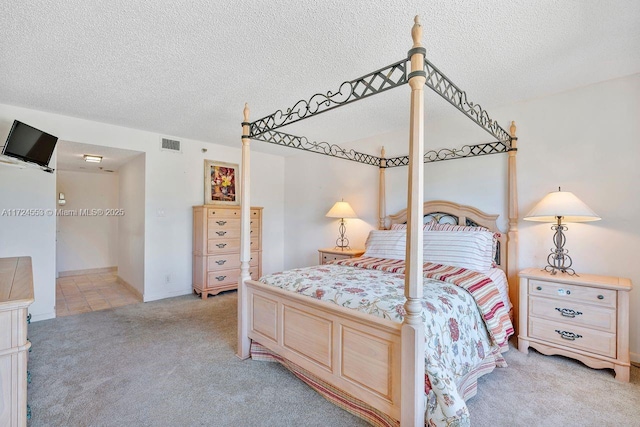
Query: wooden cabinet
x=332 y=254
x=16 y=294
x=585 y=317
x=216 y=248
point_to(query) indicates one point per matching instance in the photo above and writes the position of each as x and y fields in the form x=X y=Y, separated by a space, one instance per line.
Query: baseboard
x=155 y=297
x=103 y=270
x=635 y=359
x=131 y=288
x=42 y=316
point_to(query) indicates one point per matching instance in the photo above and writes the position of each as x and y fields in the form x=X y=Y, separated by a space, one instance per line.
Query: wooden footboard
x=355 y=352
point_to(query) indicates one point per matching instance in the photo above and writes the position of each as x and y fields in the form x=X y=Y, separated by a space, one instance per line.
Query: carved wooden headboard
x=452 y=213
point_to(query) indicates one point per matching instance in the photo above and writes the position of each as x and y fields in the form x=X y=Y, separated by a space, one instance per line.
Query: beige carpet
x=172 y=363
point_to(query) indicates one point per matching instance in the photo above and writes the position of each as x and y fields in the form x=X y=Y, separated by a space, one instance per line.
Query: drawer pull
x=221 y=245
x=567 y=312
x=221 y=222
x=539 y=288
x=221 y=233
x=220 y=278
x=600 y=296
x=570 y=336
x=221 y=261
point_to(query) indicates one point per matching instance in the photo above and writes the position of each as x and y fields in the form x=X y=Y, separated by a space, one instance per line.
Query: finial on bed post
x=512 y=234
x=382 y=198
x=244 y=344
x=512 y=132
x=416 y=32
x=245 y=112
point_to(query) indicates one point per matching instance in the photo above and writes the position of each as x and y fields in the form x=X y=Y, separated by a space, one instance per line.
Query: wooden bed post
x=412 y=335
x=244 y=344
x=512 y=236
x=382 y=198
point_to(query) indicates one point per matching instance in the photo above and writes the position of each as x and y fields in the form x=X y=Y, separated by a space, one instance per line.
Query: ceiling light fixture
x=92 y=159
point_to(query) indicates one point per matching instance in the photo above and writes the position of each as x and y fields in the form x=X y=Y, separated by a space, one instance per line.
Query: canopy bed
x=374 y=365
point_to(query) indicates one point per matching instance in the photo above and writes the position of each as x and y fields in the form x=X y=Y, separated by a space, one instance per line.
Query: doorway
x=99 y=227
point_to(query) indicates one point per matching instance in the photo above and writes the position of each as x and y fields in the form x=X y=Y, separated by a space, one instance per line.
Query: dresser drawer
x=334 y=257
x=228 y=233
x=573 y=313
x=215 y=246
x=228 y=277
x=229 y=261
x=603 y=297
x=230 y=213
x=591 y=340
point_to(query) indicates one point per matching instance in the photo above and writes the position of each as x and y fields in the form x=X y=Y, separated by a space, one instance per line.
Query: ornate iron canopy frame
x=381 y=80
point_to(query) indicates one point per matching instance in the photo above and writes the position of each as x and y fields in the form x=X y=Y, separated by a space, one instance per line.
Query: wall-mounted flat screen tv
x=29 y=144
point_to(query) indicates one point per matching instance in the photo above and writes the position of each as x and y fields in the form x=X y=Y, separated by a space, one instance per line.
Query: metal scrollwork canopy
x=378 y=81
x=302 y=143
x=381 y=80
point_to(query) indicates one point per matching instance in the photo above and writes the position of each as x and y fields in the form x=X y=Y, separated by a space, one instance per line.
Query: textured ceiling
x=70 y=157
x=185 y=67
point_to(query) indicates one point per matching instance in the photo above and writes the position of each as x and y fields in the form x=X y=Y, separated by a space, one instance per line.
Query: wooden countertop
x=16 y=282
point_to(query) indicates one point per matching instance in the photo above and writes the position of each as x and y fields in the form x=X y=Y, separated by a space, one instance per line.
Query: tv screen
x=29 y=144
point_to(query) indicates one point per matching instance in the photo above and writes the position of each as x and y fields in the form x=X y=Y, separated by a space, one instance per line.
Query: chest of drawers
x=585 y=317
x=216 y=248
x=16 y=294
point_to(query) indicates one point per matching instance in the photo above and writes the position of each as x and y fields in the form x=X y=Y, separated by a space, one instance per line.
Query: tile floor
x=91 y=292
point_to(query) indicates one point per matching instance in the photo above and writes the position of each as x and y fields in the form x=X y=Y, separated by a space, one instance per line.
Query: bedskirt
x=467 y=387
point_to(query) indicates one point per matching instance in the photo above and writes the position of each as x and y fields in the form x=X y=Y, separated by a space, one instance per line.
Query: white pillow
x=466 y=249
x=454 y=227
x=389 y=244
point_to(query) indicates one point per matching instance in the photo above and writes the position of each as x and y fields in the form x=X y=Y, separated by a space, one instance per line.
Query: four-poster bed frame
x=378 y=361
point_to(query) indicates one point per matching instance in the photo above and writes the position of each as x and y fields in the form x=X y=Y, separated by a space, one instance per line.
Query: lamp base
x=554 y=270
x=559 y=259
x=342 y=242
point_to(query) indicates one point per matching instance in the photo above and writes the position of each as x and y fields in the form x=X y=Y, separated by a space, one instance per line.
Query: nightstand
x=584 y=317
x=332 y=254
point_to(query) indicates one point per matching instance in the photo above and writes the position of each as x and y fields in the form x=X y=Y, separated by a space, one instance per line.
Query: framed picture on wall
x=221 y=183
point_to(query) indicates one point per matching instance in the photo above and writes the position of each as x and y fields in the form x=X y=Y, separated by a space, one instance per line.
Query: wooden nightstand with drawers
x=332 y=254
x=584 y=317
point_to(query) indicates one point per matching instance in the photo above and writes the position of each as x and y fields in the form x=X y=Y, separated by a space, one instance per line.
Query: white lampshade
x=341 y=210
x=561 y=204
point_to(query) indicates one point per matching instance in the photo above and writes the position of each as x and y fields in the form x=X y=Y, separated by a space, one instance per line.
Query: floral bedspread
x=456 y=338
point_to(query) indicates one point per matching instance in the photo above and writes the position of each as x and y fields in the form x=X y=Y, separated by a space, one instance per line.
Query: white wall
x=585 y=140
x=173 y=183
x=131 y=200
x=86 y=242
x=30 y=235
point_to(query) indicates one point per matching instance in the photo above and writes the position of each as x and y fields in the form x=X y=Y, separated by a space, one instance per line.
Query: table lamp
x=342 y=210
x=557 y=207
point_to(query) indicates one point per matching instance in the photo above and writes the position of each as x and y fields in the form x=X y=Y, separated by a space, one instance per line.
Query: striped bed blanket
x=487 y=296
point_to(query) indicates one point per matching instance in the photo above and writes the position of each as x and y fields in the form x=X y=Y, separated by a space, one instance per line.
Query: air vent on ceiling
x=172 y=145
